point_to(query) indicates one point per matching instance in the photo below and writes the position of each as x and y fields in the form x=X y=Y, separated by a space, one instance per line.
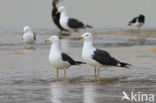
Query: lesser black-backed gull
x=96 y=57
x=56 y=16
x=70 y=24
x=60 y=60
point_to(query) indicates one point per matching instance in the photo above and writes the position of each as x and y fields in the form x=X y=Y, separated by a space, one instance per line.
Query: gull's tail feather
x=79 y=62
x=125 y=65
x=88 y=26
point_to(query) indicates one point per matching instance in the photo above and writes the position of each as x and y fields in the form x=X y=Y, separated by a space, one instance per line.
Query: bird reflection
x=94 y=92
x=89 y=93
x=57 y=92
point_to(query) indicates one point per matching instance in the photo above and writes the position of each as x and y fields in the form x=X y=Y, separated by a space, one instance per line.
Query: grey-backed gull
x=28 y=37
x=60 y=60
x=70 y=24
x=96 y=57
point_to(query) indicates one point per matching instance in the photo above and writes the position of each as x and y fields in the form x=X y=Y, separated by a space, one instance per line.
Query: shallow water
x=27 y=77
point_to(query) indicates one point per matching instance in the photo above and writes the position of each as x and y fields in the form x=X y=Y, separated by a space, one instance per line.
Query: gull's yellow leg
x=64 y=74
x=95 y=73
x=57 y=73
x=98 y=73
x=31 y=46
x=70 y=35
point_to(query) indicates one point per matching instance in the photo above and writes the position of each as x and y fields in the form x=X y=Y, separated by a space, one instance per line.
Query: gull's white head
x=53 y=39
x=85 y=36
x=27 y=29
x=61 y=9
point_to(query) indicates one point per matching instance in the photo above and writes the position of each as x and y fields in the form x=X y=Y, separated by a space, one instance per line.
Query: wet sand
x=131 y=32
x=27 y=76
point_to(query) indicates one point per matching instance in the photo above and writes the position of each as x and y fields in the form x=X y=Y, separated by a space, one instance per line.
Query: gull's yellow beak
x=56 y=1
x=79 y=37
x=46 y=41
x=57 y=12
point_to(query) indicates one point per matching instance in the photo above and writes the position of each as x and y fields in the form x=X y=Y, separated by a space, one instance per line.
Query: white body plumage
x=87 y=52
x=64 y=20
x=55 y=57
x=28 y=36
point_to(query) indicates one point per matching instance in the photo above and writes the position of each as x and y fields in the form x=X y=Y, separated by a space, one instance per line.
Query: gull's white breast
x=28 y=38
x=64 y=21
x=56 y=60
x=87 y=57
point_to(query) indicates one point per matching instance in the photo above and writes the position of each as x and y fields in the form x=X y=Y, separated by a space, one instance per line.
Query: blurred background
x=99 y=13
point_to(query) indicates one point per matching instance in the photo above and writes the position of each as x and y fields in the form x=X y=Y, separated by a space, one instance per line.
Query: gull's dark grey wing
x=68 y=59
x=105 y=58
x=34 y=35
x=73 y=23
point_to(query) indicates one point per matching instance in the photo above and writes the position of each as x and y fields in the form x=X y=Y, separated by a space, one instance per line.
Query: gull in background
x=28 y=37
x=56 y=16
x=70 y=24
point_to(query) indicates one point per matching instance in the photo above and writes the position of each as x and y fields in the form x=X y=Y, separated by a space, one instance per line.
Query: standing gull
x=70 y=24
x=56 y=16
x=96 y=57
x=59 y=60
x=28 y=37
x=138 y=21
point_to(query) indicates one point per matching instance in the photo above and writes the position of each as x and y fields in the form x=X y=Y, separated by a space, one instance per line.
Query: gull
x=96 y=57
x=60 y=60
x=56 y=16
x=28 y=37
x=70 y=24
